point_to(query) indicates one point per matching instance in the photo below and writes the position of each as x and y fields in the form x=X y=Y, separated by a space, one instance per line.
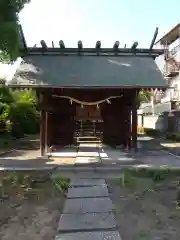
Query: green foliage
x=156 y=174
x=4 y=57
x=6 y=95
x=144 y=96
x=173 y=136
x=18 y=112
x=25 y=97
x=5 y=123
x=152 y=132
x=62 y=184
x=127 y=179
x=9 y=31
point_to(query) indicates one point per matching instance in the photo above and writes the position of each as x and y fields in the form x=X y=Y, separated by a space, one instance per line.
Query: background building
x=169 y=64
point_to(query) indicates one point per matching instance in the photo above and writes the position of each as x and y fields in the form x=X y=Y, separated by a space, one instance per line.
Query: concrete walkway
x=88 y=212
x=87 y=153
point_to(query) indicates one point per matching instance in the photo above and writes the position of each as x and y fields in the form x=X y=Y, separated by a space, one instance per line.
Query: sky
x=92 y=20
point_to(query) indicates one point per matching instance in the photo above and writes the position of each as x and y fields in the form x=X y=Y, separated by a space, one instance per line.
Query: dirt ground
x=146 y=211
x=31 y=215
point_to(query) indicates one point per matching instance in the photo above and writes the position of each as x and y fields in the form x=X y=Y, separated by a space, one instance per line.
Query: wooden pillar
x=129 y=128
x=134 y=121
x=49 y=129
x=42 y=132
x=46 y=130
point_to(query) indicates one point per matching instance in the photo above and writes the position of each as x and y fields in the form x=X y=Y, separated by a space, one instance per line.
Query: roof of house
x=88 y=71
x=170 y=36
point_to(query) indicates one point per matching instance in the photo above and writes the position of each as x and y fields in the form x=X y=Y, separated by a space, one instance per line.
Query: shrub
x=18 y=112
x=152 y=132
x=24 y=118
x=173 y=136
x=5 y=123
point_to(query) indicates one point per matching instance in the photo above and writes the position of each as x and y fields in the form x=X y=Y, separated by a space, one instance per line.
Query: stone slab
x=109 y=235
x=87 y=159
x=88 y=154
x=87 y=221
x=93 y=191
x=88 y=205
x=87 y=182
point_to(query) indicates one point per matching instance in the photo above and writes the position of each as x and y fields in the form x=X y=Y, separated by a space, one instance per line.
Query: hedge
x=152 y=132
x=173 y=136
x=18 y=112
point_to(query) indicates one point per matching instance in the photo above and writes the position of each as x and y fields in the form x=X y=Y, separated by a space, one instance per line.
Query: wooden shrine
x=93 y=84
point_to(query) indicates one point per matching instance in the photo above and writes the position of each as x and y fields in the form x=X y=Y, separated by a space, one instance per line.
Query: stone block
x=83 y=192
x=87 y=182
x=88 y=205
x=109 y=235
x=87 y=221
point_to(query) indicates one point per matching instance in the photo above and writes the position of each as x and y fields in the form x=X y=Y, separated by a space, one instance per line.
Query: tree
x=144 y=96
x=9 y=31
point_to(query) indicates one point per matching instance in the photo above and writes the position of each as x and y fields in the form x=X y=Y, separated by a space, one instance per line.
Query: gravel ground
x=145 y=211
x=30 y=215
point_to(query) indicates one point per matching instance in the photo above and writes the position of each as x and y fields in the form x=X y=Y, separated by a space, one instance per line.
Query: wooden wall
x=61 y=114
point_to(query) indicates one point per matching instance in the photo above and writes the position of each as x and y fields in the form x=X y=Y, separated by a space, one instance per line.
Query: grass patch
x=62 y=184
x=127 y=179
x=146 y=203
x=31 y=204
x=27 y=183
x=130 y=176
x=156 y=174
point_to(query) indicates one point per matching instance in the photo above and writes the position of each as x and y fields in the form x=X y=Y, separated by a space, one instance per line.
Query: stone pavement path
x=88 y=212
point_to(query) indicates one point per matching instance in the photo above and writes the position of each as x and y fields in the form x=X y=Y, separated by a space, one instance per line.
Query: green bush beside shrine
x=152 y=132
x=19 y=114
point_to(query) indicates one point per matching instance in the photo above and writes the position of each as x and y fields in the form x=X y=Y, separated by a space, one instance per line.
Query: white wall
x=154 y=122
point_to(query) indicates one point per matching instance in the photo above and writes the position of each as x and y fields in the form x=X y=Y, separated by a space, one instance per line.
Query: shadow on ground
x=150 y=153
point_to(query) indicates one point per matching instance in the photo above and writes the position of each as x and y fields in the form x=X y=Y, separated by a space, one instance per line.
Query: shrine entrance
x=88 y=122
x=88 y=113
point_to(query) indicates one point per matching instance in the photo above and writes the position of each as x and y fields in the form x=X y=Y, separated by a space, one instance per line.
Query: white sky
x=69 y=20
x=92 y=20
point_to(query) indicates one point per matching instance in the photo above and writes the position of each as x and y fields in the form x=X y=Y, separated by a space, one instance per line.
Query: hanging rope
x=87 y=103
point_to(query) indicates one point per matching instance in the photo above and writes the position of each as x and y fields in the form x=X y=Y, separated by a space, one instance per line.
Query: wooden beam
x=129 y=128
x=44 y=45
x=41 y=86
x=42 y=132
x=46 y=131
x=61 y=44
x=154 y=39
x=98 y=44
x=134 y=120
x=80 y=45
x=134 y=46
x=116 y=45
x=110 y=51
x=40 y=97
x=22 y=37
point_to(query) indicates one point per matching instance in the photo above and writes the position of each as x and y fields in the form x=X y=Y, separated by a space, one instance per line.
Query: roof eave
x=93 y=51
x=176 y=28
x=83 y=87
